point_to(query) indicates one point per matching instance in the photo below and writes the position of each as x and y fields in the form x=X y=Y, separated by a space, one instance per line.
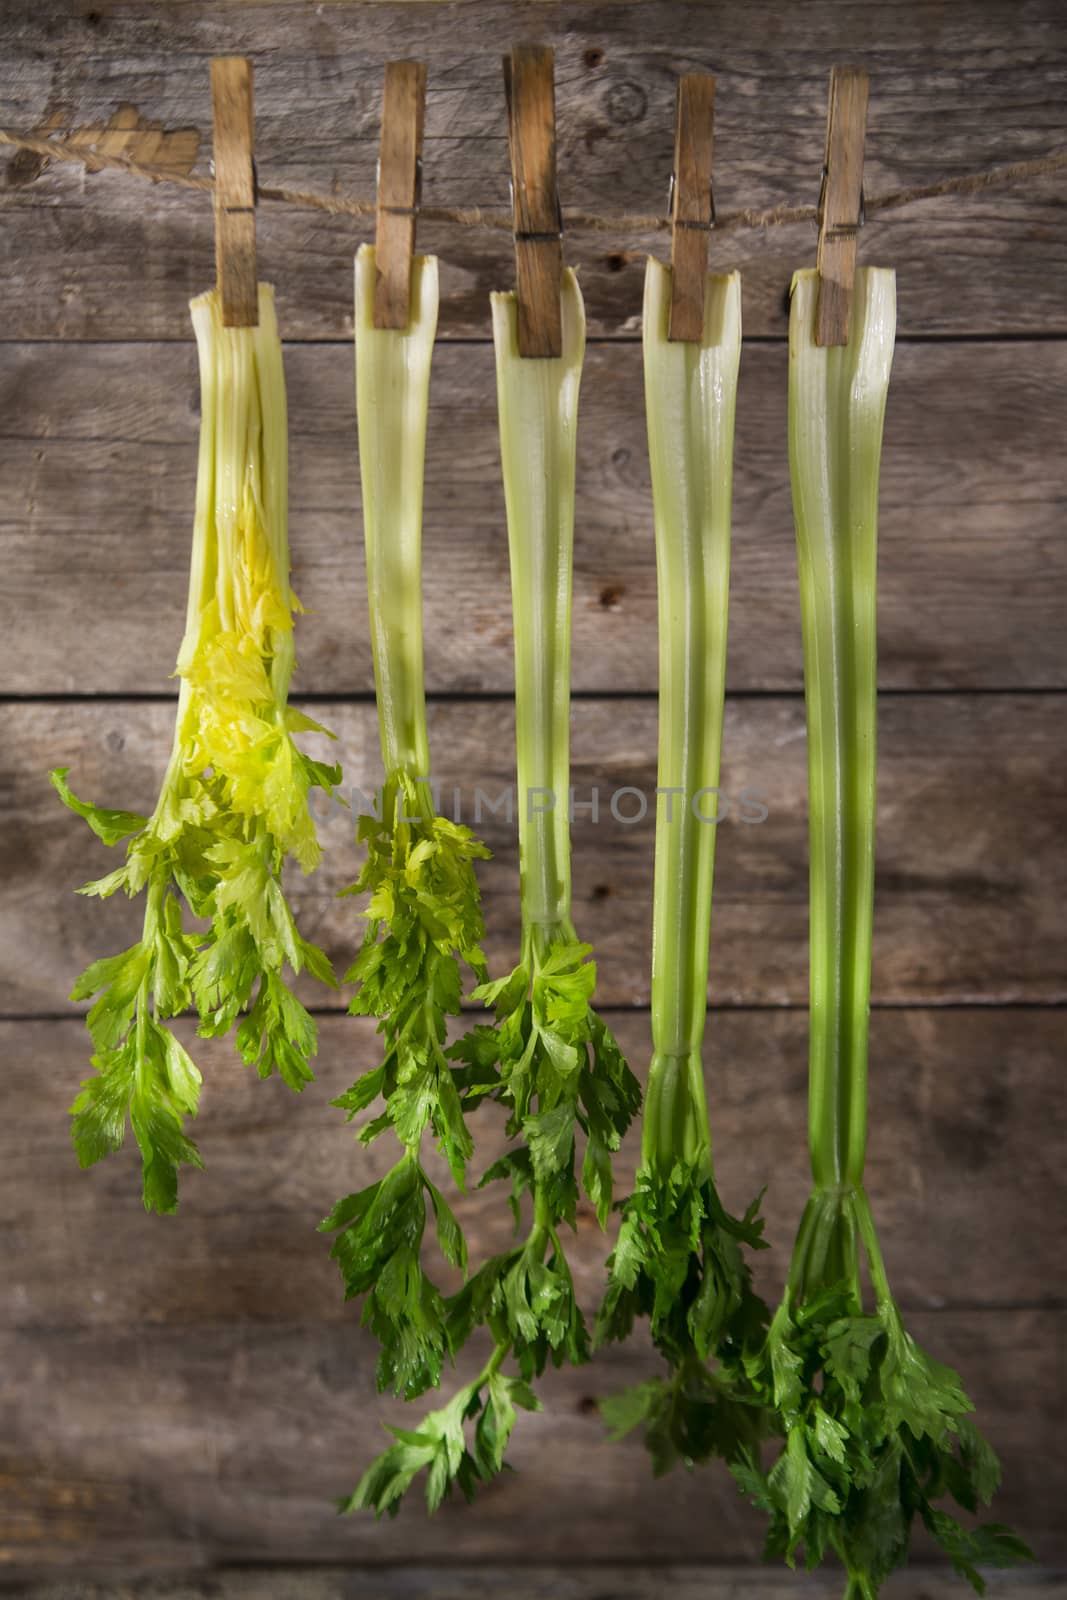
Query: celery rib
x=875 y=1430
x=392 y=399
x=690 y=400
x=836 y=411
x=538 y=402
x=680 y=1258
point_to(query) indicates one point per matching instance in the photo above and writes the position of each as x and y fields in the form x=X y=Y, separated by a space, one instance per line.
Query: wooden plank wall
x=186 y=1396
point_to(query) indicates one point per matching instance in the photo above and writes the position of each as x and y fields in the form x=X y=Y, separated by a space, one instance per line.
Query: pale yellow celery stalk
x=204 y=561
x=392 y=402
x=237 y=656
x=234 y=799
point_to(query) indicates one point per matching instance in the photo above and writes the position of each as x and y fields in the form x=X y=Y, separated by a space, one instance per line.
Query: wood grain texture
x=691 y=204
x=171 y=1446
x=954 y=1164
x=959 y=915
x=954 y=88
x=841 y=203
x=184 y=1397
x=531 y=102
x=98 y=448
x=403 y=116
x=569 y=1582
x=235 y=190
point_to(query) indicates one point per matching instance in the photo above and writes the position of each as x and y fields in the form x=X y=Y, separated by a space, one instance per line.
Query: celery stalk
x=837 y=400
x=560 y=1069
x=234 y=799
x=538 y=402
x=392 y=400
x=679 y=1259
x=690 y=393
x=424 y=920
x=875 y=1430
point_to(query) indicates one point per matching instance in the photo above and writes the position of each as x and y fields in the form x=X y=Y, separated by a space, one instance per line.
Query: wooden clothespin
x=235 y=191
x=399 y=185
x=692 y=206
x=538 y=224
x=841 y=203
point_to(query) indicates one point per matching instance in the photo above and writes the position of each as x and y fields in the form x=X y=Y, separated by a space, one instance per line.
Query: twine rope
x=617 y=223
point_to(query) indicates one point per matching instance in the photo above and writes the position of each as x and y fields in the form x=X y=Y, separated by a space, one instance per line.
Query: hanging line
x=617 y=223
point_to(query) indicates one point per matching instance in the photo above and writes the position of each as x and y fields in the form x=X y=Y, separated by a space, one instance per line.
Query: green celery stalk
x=837 y=400
x=553 y=1051
x=679 y=1257
x=234 y=799
x=691 y=392
x=538 y=401
x=424 y=915
x=875 y=1430
x=552 y=1061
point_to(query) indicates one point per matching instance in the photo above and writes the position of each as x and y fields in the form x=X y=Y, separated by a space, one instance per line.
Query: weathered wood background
x=179 y=1400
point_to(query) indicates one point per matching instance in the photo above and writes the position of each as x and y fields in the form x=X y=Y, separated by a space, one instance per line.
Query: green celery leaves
x=875 y=1430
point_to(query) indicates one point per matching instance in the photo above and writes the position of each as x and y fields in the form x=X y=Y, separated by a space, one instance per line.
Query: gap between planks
x=366 y=697
x=735 y=1008
x=594 y=341
x=577 y=1580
